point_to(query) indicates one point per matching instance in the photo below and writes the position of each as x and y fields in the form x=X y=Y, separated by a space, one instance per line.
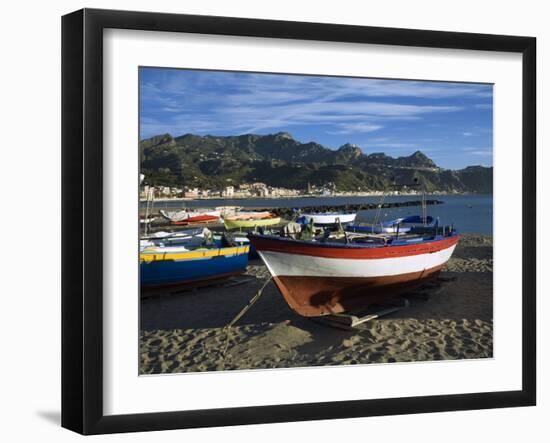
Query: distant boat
x=253 y=223
x=191 y=259
x=328 y=276
x=189 y=216
x=203 y=218
x=242 y=220
x=327 y=218
x=194 y=236
x=401 y=225
x=174 y=234
x=248 y=215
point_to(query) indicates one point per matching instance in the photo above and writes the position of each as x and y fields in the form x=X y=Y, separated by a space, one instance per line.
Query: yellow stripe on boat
x=236 y=224
x=147 y=256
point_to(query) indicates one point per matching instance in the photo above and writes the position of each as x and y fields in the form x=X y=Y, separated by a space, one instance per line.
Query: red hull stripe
x=318 y=250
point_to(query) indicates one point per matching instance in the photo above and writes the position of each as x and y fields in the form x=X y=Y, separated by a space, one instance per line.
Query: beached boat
x=248 y=224
x=248 y=220
x=174 y=234
x=248 y=215
x=402 y=225
x=194 y=236
x=188 y=216
x=197 y=219
x=190 y=259
x=327 y=218
x=329 y=276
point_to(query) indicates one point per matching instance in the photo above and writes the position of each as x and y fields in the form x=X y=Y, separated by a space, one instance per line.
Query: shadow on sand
x=455 y=296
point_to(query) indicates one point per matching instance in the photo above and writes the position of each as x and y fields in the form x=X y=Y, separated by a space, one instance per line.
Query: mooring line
x=243 y=311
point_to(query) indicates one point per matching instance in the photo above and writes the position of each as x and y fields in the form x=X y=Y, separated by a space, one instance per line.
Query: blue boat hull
x=176 y=272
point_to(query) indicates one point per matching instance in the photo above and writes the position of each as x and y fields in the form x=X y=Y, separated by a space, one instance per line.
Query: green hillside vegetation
x=279 y=160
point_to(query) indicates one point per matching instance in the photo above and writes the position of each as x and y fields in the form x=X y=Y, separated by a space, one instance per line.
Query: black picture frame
x=82 y=218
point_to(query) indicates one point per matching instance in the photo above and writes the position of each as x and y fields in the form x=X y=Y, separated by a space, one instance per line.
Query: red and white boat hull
x=317 y=280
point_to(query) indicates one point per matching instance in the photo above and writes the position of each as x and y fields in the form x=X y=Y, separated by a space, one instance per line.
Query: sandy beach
x=452 y=318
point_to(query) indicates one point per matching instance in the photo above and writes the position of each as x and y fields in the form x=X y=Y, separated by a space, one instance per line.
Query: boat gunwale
x=336 y=245
x=193 y=254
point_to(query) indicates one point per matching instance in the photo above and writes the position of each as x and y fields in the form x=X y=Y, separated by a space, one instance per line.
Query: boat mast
x=146 y=211
x=423 y=201
x=424 y=206
x=379 y=210
x=149 y=196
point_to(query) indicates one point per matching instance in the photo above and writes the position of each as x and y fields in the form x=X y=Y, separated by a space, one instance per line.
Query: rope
x=243 y=311
x=379 y=209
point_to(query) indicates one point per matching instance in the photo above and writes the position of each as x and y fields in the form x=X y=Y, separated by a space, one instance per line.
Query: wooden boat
x=174 y=234
x=203 y=218
x=329 y=276
x=182 y=216
x=194 y=236
x=327 y=218
x=250 y=220
x=248 y=215
x=249 y=224
x=402 y=225
x=188 y=260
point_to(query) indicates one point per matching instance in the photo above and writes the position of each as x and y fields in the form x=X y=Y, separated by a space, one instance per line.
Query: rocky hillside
x=279 y=160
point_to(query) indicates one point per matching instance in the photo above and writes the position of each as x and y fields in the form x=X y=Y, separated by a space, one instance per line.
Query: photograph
x=291 y=220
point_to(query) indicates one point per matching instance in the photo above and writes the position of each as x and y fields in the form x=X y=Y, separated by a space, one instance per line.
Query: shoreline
x=199 y=199
x=286 y=213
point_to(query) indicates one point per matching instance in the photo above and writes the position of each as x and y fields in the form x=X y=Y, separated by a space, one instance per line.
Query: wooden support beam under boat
x=350 y=321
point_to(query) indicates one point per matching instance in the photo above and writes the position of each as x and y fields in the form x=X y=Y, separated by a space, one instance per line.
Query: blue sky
x=452 y=123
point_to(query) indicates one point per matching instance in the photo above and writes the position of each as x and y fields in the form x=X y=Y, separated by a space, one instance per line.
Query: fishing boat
x=174 y=260
x=163 y=238
x=402 y=225
x=248 y=215
x=189 y=216
x=174 y=234
x=338 y=273
x=327 y=218
x=197 y=219
x=250 y=220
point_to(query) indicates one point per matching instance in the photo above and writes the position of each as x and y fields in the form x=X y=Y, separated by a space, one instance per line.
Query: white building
x=229 y=191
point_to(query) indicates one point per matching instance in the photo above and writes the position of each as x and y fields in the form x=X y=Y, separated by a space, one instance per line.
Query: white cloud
x=481 y=152
x=353 y=128
x=225 y=102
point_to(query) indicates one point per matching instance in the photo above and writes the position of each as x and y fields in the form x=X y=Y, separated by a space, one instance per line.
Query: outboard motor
x=208 y=236
x=292 y=230
x=228 y=240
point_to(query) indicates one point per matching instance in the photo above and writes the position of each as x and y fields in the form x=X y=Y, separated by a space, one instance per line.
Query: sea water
x=471 y=213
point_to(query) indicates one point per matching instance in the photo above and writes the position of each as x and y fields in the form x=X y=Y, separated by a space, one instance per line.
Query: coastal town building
x=191 y=193
x=229 y=191
x=259 y=190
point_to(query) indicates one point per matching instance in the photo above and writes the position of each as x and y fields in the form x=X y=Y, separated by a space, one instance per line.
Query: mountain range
x=280 y=160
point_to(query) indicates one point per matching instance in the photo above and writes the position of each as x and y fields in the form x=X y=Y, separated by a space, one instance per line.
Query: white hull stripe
x=282 y=264
x=330 y=218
